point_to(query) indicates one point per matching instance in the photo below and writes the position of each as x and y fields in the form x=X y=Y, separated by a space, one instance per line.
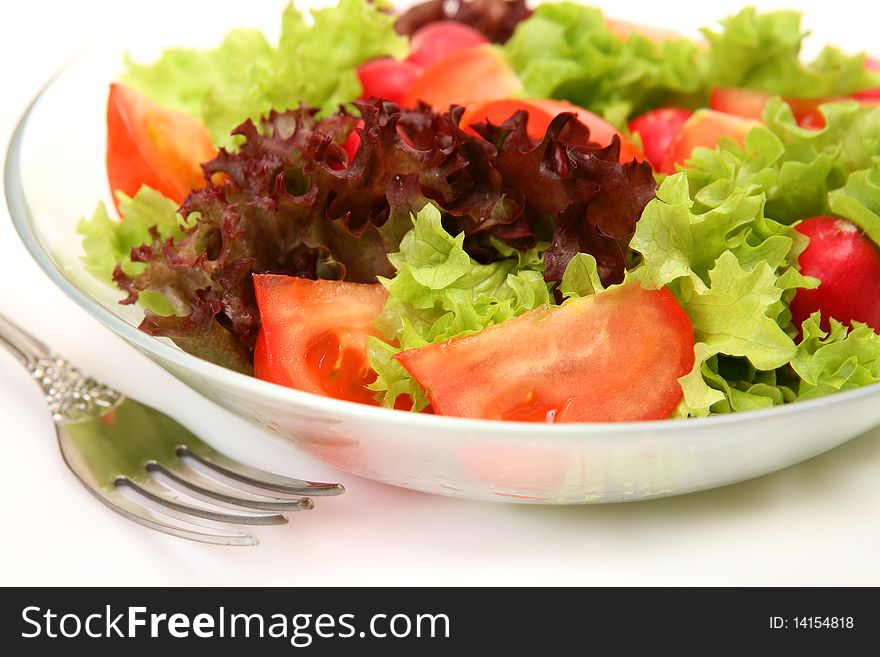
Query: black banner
x=437 y=621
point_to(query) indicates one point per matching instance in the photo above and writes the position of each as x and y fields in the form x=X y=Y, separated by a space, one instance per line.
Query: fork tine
x=145 y=516
x=216 y=461
x=164 y=496
x=206 y=487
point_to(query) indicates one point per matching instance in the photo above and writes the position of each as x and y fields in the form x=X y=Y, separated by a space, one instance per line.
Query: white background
x=817 y=523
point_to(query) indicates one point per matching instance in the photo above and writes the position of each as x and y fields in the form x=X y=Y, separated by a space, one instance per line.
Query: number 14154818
x=812 y=622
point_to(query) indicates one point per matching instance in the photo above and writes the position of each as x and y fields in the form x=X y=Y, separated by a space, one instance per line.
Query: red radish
x=658 y=129
x=438 y=39
x=387 y=78
x=703 y=129
x=848 y=264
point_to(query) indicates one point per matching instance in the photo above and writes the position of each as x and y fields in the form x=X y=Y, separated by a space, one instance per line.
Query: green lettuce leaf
x=581 y=277
x=108 y=245
x=730 y=267
x=741 y=314
x=314 y=63
x=794 y=168
x=736 y=314
x=841 y=359
x=859 y=200
x=108 y=242
x=439 y=292
x=681 y=237
x=565 y=50
x=726 y=385
x=721 y=236
x=762 y=51
x=182 y=77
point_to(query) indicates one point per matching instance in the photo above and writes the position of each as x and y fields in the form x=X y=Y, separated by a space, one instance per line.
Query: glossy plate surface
x=55 y=175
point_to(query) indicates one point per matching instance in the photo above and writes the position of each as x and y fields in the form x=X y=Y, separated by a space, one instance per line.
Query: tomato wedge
x=703 y=129
x=541 y=113
x=314 y=335
x=150 y=145
x=470 y=77
x=615 y=356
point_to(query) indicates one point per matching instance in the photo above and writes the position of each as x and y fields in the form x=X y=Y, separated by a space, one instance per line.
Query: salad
x=490 y=211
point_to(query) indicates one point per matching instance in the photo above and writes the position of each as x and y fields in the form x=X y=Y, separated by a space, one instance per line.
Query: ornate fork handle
x=70 y=395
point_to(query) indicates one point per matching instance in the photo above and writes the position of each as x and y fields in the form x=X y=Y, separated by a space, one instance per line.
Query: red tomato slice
x=541 y=113
x=438 y=39
x=150 y=145
x=387 y=78
x=657 y=130
x=615 y=356
x=314 y=335
x=703 y=129
x=470 y=77
x=848 y=264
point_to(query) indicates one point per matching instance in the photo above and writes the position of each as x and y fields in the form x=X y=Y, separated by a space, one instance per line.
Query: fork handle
x=28 y=349
x=71 y=396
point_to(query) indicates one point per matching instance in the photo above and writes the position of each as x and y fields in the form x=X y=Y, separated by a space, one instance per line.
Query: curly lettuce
x=762 y=51
x=731 y=267
x=859 y=199
x=840 y=359
x=721 y=236
x=566 y=50
x=108 y=242
x=797 y=169
x=314 y=62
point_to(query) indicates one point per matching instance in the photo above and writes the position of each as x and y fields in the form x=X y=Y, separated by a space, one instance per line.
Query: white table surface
x=816 y=523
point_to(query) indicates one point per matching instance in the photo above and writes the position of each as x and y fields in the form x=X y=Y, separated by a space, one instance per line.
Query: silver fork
x=146 y=466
